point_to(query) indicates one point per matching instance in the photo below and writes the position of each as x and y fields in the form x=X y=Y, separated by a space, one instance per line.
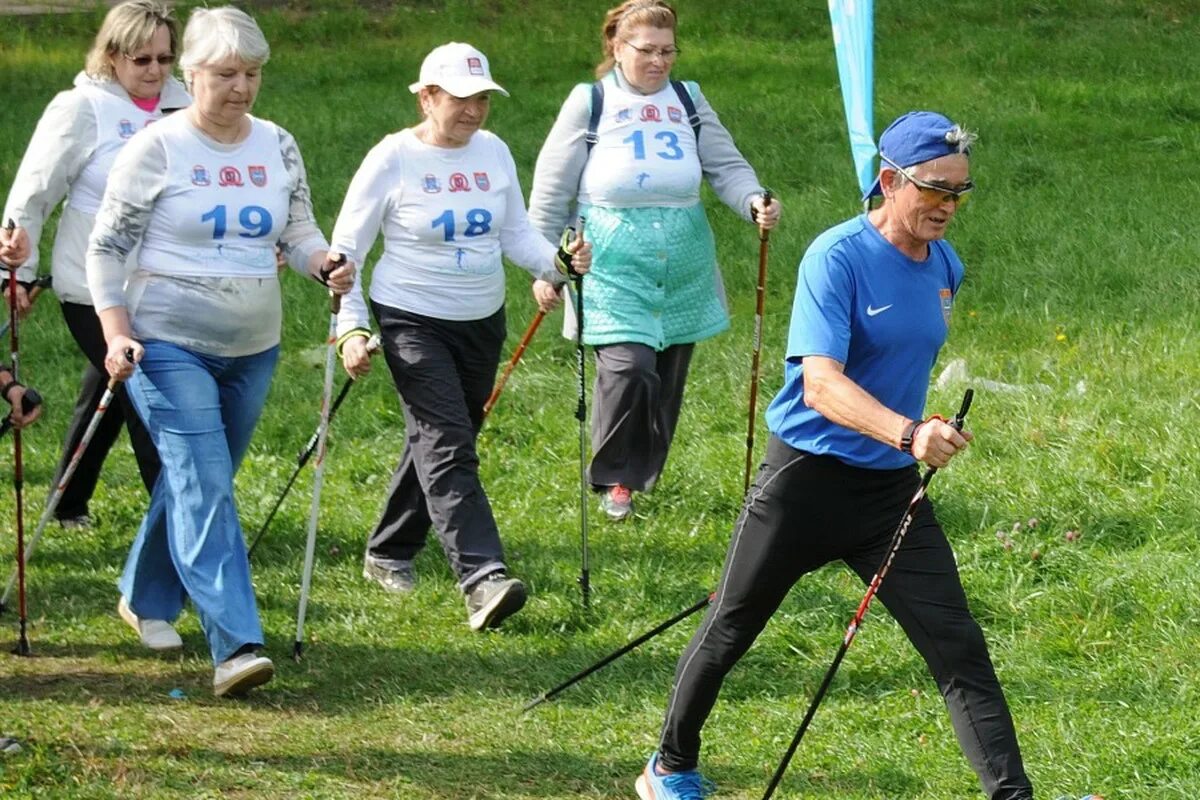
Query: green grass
x=1082 y=284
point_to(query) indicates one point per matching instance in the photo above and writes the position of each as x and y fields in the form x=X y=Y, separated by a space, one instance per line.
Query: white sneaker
x=242 y=673
x=157 y=634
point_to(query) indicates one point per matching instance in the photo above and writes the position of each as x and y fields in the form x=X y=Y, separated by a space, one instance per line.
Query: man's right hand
x=936 y=442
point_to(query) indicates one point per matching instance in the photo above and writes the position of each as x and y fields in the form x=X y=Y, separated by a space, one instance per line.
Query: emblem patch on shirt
x=458 y=183
x=947 y=298
x=125 y=129
x=650 y=113
x=430 y=183
x=258 y=175
x=624 y=115
x=200 y=176
x=481 y=180
x=229 y=176
x=474 y=66
x=674 y=114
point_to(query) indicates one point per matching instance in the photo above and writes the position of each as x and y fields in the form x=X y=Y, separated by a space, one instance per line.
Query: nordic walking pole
x=611 y=657
x=512 y=363
x=872 y=588
x=22 y=648
x=764 y=236
x=335 y=305
x=56 y=495
x=585 y=584
x=310 y=447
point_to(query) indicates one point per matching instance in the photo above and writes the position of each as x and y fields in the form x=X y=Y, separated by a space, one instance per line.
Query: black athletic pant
x=84 y=325
x=802 y=512
x=444 y=371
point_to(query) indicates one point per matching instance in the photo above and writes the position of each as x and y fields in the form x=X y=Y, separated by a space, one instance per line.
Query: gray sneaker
x=395 y=576
x=494 y=599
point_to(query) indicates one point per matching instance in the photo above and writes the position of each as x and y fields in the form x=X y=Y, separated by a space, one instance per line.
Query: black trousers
x=84 y=325
x=635 y=407
x=444 y=372
x=802 y=512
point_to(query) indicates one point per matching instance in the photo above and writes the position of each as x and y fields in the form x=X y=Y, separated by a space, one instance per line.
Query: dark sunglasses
x=145 y=61
x=936 y=192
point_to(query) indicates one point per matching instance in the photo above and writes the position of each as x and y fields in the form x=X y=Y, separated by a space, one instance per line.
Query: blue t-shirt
x=862 y=302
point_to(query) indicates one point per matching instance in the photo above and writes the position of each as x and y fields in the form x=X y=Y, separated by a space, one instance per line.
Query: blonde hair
x=628 y=15
x=128 y=27
x=216 y=34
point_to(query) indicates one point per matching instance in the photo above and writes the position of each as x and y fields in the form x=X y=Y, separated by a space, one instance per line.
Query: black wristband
x=906 y=438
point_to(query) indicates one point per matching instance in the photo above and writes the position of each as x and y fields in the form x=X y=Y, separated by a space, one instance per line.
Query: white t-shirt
x=208 y=216
x=447 y=216
x=645 y=153
x=219 y=211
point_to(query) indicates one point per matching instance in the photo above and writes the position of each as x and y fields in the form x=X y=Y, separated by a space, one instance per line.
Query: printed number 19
x=255 y=220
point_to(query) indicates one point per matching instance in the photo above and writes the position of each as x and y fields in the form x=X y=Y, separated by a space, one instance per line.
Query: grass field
x=1076 y=325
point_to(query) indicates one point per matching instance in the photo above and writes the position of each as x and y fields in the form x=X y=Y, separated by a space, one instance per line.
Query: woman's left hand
x=16 y=397
x=338 y=275
x=546 y=295
x=765 y=216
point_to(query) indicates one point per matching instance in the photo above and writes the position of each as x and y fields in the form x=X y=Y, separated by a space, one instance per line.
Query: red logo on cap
x=474 y=66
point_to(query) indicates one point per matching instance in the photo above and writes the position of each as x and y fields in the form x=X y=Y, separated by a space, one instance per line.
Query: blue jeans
x=200 y=411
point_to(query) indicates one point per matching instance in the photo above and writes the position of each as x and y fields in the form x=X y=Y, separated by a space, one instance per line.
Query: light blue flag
x=854 y=42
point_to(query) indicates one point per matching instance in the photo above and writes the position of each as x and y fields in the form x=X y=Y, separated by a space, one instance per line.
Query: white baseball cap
x=457 y=68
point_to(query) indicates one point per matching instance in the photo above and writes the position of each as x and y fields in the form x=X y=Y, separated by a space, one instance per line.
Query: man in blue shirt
x=871 y=311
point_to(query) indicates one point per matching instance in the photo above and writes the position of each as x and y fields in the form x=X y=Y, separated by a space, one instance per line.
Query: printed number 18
x=479 y=222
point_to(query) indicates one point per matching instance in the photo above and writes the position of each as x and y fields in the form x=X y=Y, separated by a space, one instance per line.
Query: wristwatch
x=906 y=438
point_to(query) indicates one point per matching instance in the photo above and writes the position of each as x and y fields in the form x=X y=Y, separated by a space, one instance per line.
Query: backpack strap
x=689 y=107
x=591 y=137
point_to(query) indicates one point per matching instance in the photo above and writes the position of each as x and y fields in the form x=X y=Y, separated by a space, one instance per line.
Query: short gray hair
x=216 y=34
x=961 y=138
x=128 y=27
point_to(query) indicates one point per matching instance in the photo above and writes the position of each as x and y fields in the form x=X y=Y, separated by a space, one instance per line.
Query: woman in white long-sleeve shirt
x=629 y=153
x=125 y=86
x=206 y=193
x=447 y=199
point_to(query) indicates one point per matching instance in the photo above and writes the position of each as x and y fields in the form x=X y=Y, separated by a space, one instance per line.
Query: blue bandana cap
x=917 y=137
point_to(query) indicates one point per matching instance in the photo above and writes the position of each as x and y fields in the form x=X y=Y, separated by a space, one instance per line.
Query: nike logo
x=873 y=311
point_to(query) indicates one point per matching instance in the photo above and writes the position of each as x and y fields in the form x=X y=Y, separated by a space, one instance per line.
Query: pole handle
x=335 y=300
x=767 y=197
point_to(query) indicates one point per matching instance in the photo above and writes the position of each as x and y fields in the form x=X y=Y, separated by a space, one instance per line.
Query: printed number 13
x=673 y=151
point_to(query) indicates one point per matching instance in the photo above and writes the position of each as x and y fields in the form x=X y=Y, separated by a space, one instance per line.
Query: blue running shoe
x=689 y=785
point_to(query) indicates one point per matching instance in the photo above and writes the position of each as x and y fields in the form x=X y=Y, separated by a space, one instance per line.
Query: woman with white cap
x=446 y=196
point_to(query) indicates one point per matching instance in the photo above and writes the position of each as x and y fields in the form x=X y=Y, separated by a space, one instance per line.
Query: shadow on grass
x=517 y=772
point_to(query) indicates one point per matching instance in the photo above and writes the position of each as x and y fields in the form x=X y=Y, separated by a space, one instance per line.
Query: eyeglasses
x=936 y=192
x=667 y=53
x=165 y=60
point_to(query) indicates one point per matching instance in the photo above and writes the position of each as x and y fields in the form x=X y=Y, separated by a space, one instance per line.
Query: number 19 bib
x=221 y=210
